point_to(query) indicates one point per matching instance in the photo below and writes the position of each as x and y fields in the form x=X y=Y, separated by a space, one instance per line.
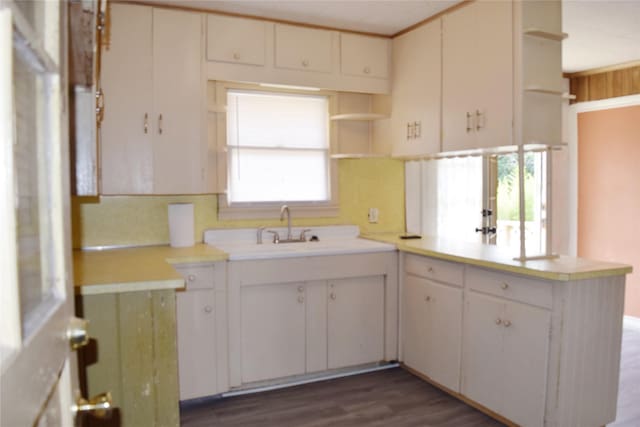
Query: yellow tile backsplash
x=143 y=220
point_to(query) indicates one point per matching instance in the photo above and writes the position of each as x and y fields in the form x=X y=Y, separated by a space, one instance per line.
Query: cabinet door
x=526 y=344
x=459 y=31
x=178 y=92
x=445 y=334
x=355 y=321
x=492 y=73
x=416 y=90
x=415 y=324
x=273 y=331
x=196 y=343
x=302 y=48
x=482 y=366
x=364 y=56
x=477 y=81
x=236 y=40
x=127 y=72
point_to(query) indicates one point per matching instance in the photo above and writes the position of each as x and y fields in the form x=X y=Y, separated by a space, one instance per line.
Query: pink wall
x=609 y=192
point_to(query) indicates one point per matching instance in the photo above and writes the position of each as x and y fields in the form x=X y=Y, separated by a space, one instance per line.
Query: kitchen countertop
x=136 y=269
x=563 y=268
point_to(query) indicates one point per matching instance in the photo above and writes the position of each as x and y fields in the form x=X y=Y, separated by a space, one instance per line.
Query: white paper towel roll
x=181 y=224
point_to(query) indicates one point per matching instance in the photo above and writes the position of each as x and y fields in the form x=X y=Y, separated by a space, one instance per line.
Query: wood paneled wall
x=591 y=86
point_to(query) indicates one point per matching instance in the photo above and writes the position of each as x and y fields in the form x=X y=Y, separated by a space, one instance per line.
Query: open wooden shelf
x=537 y=32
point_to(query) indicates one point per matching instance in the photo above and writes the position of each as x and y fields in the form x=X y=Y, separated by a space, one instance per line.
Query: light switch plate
x=373 y=215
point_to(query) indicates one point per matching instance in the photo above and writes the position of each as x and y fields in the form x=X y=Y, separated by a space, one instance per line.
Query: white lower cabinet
x=273 y=331
x=202 y=331
x=355 y=321
x=432 y=321
x=505 y=357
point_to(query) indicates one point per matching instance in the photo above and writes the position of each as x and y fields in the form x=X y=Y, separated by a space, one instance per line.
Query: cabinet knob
x=208 y=309
x=498 y=321
x=236 y=56
x=300 y=289
x=427 y=298
x=504 y=285
x=332 y=296
x=191 y=277
x=507 y=323
x=301 y=299
x=305 y=62
x=430 y=270
x=367 y=70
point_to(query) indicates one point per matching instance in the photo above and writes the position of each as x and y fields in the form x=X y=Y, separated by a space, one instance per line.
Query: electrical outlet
x=373 y=215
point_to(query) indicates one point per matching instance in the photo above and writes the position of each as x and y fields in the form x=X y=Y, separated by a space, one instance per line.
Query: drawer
x=442 y=271
x=198 y=277
x=530 y=291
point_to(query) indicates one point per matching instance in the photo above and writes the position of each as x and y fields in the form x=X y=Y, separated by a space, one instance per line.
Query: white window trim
x=269 y=210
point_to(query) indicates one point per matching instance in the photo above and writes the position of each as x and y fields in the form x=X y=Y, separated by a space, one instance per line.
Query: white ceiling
x=601 y=32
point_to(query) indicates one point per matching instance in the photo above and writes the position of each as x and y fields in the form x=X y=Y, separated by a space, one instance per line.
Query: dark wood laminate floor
x=386 y=398
x=392 y=397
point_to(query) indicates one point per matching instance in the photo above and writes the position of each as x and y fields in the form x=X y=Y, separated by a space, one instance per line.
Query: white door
x=355 y=321
x=273 y=331
x=36 y=293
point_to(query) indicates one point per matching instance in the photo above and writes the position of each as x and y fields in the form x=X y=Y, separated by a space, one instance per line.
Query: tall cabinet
x=152 y=137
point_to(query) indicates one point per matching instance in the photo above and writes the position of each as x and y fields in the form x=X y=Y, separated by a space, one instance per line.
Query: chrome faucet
x=284 y=209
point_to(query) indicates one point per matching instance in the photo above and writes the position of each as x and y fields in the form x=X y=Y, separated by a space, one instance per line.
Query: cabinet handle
x=366 y=70
x=504 y=285
x=191 y=277
x=507 y=323
x=300 y=299
x=300 y=289
x=498 y=321
x=160 y=124
x=469 y=127
x=146 y=122
x=479 y=115
x=208 y=309
x=305 y=62
x=417 y=129
x=408 y=130
x=332 y=295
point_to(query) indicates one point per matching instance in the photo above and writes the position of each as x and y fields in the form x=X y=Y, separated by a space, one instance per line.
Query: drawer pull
x=498 y=321
x=208 y=309
x=236 y=56
x=305 y=62
x=367 y=70
x=507 y=323
x=300 y=289
x=504 y=285
x=192 y=277
x=332 y=296
x=430 y=270
x=300 y=299
x=427 y=298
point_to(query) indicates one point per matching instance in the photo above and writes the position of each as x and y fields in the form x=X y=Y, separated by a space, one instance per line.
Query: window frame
x=266 y=210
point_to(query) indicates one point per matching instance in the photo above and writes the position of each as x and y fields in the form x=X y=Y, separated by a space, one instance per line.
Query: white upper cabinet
x=301 y=48
x=415 y=101
x=151 y=137
x=477 y=80
x=236 y=40
x=126 y=136
x=364 y=56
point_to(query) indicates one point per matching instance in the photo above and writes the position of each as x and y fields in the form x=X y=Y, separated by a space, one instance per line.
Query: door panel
x=524 y=369
x=483 y=348
x=445 y=334
x=127 y=128
x=273 y=331
x=356 y=321
x=415 y=324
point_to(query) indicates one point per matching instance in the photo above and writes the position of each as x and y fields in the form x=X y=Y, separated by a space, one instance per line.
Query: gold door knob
x=77 y=333
x=99 y=406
